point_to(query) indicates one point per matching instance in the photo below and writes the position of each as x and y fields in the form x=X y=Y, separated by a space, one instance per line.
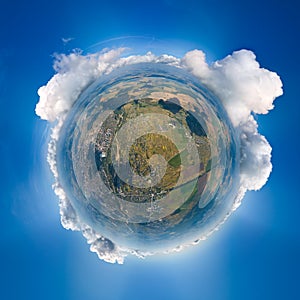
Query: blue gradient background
x=255 y=255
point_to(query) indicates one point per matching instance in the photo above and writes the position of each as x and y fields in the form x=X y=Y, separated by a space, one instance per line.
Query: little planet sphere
x=148 y=158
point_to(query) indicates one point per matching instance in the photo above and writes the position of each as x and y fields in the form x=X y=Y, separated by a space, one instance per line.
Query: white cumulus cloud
x=244 y=88
x=238 y=80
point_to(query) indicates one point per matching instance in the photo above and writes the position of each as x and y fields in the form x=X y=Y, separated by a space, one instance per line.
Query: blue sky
x=256 y=253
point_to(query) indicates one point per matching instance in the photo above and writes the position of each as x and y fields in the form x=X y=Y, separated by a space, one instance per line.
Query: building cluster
x=103 y=143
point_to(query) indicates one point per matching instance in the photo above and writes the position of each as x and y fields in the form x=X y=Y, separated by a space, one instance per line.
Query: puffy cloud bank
x=240 y=83
x=244 y=88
